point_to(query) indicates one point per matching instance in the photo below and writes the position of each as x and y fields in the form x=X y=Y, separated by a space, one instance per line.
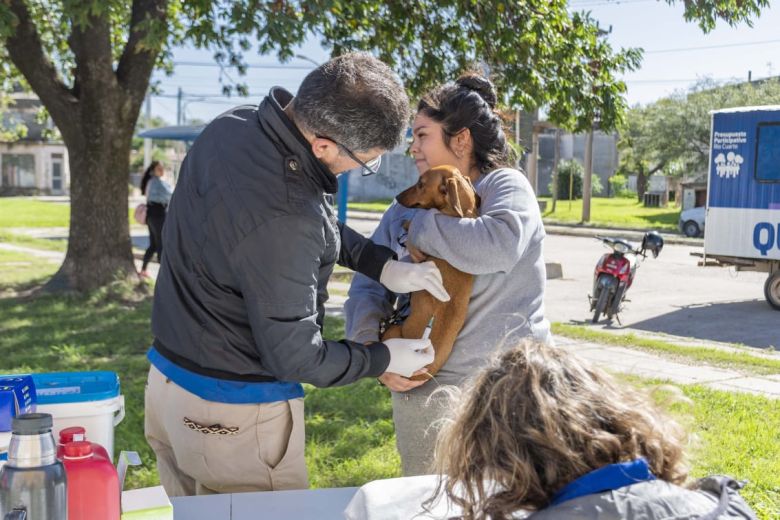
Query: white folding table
x=305 y=504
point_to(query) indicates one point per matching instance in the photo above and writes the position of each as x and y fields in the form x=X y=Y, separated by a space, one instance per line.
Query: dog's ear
x=477 y=199
x=452 y=196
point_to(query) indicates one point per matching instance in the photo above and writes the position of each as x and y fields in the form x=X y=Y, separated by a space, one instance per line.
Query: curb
x=578 y=230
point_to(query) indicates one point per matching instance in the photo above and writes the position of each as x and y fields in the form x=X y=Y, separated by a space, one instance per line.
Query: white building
x=33 y=165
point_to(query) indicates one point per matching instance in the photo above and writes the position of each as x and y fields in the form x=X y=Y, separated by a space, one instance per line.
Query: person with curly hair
x=540 y=434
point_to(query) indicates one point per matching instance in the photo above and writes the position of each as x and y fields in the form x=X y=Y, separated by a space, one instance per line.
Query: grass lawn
x=378 y=206
x=621 y=213
x=19 y=270
x=349 y=430
x=743 y=361
x=624 y=213
x=28 y=212
x=35 y=243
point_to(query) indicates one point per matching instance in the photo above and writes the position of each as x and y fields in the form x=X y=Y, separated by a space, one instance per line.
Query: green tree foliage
x=673 y=134
x=618 y=186
x=90 y=63
x=567 y=169
x=137 y=146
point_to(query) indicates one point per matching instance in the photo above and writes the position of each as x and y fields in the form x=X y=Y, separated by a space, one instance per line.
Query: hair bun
x=481 y=85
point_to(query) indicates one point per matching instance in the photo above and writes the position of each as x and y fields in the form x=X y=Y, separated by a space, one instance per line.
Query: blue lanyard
x=612 y=476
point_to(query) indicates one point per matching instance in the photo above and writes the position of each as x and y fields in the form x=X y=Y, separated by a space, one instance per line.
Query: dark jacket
x=251 y=241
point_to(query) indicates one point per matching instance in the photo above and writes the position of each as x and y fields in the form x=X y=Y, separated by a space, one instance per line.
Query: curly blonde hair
x=538 y=418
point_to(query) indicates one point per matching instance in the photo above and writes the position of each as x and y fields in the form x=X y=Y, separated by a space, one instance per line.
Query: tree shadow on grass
x=71 y=333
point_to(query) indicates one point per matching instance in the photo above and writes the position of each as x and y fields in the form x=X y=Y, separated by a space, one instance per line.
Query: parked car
x=692 y=222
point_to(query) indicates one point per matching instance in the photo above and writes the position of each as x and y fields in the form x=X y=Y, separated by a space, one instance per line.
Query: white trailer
x=743 y=195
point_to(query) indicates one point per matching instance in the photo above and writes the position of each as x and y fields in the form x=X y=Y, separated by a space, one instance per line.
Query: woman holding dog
x=456 y=124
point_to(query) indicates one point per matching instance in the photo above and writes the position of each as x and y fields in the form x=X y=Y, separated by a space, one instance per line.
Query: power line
x=595 y=3
x=705 y=47
x=650 y=81
x=251 y=65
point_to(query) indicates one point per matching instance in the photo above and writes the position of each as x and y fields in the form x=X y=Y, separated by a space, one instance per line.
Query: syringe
x=428 y=328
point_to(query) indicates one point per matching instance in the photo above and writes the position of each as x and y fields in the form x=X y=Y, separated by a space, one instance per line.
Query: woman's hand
x=398 y=383
x=417 y=255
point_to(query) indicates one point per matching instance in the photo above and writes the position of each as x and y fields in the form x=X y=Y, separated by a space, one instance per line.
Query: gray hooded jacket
x=716 y=498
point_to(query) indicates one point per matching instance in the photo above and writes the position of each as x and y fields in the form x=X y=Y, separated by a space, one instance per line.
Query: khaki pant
x=257 y=447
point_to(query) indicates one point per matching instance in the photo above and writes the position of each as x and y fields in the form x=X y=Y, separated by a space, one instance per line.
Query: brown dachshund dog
x=449 y=191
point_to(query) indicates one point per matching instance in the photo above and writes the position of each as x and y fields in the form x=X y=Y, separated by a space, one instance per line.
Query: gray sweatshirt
x=502 y=248
x=158 y=191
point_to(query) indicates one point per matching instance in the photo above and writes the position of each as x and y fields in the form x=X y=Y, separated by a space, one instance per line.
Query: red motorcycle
x=615 y=273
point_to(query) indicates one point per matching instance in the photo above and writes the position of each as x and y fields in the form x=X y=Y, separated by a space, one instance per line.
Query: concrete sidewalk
x=58 y=257
x=650 y=366
x=577 y=230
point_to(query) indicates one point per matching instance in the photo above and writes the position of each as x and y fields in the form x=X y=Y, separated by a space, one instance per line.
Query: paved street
x=671 y=295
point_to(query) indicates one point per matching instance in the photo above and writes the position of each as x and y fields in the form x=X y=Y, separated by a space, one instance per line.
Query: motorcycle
x=615 y=273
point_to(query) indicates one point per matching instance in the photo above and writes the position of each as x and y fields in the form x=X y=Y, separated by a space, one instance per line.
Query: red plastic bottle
x=93 y=484
x=72 y=434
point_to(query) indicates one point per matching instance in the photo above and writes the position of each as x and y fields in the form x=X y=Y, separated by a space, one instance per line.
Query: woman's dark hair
x=470 y=102
x=148 y=175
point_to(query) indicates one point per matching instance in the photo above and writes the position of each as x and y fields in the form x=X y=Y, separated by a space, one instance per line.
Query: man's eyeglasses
x=366 y=168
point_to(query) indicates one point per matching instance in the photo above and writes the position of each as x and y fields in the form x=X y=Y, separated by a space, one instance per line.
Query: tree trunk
x=99 y=248
x=587 y=177
x=96 y=112
x=641 y=184
x=556 y=161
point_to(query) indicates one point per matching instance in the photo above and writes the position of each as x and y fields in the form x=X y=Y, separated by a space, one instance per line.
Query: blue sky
x=676 y=55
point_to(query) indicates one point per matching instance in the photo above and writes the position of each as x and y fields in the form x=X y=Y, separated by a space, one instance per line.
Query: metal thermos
x=32 y=482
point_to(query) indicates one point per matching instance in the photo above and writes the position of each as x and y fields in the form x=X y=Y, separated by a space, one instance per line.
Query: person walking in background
x=158 y=194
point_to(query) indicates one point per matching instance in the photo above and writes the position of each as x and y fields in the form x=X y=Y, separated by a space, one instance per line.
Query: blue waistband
x=612 y=476
x=222 y=390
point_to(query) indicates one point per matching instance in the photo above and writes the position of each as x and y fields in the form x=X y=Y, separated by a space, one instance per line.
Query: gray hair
x=356 y=100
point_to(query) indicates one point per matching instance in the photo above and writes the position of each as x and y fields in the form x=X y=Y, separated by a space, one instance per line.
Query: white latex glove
x=405 y=277
x=408 y=355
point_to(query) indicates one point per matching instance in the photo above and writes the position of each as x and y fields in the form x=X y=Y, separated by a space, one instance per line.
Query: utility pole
x=147 y=125
x=179 y=117
x=586 y=182
x=556 y=160
x=517 y=133
x=533 y=160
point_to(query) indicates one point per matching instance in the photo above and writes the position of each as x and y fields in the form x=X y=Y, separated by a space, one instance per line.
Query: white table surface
x=305 y=504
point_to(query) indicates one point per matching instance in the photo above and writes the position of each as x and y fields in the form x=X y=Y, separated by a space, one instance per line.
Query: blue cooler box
x=88 y=399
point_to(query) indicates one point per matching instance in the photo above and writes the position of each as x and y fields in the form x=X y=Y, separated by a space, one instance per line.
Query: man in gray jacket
x=251 y=241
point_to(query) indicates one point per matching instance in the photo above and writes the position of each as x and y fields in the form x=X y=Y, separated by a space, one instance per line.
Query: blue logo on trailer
x=745 y=162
